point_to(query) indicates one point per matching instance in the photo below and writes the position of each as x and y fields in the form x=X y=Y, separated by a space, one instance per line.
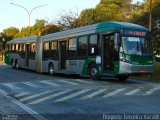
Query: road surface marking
x=132 y=92
x=84 y=81
x=49 y=97
x=33 y=96
x=72 y=95
x=31 y=84
x=114 y=92
x=22 y=94
x=93 y=94
x=33 y=113
x=152 y=90
x=50 y=83
x=66 y=81
x=12 y=86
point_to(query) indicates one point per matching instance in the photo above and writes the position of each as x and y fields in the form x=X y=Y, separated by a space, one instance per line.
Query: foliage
x=68 y=20
x=9 y=33
x=155 y=77
x=88 y=16
x=106 y=10
x=50 y=28
x=41 y=27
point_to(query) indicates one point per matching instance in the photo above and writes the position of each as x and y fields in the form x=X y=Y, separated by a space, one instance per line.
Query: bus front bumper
x=131 y=69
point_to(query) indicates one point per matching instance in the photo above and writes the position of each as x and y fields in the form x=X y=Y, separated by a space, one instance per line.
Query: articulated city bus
x=114 y=49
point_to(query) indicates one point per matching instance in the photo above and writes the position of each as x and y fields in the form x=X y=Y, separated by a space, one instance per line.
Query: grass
x=155 y=77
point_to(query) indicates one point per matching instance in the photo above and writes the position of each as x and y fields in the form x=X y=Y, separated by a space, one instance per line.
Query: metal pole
x=150 y=16
x=28 y=12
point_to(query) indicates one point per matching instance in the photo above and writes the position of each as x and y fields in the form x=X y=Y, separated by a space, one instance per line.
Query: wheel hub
x=94 y=72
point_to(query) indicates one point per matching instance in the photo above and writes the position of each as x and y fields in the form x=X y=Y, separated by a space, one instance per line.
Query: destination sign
x=135 y=33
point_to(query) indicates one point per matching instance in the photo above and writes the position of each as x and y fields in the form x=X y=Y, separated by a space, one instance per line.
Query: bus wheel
x=16 y=65
x=93 y=72
x=51 y=69
x=123 y=77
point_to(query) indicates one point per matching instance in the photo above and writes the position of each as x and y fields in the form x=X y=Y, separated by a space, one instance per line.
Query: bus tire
x=16 y=65
x=93 y=72
x=122 y=77
x=51 y=69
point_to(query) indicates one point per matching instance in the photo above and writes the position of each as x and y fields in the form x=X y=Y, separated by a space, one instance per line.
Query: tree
x=107 y=10
x=88 y=16
x=38 y=27
x=50 y=28
x=9 y=33
x=68 y=20
x=34 y=30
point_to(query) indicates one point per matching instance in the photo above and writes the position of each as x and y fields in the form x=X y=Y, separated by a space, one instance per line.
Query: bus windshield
x=137 y=46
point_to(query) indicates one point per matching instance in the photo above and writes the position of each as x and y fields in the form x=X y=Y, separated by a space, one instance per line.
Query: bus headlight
x=98 y=59
x=125 y=60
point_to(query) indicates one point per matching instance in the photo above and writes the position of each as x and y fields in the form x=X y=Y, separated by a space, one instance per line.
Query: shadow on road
x=65 y=76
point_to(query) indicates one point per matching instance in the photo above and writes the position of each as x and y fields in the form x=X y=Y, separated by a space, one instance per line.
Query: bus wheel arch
x=89 y=66
x=51 y=68
x=92 y=70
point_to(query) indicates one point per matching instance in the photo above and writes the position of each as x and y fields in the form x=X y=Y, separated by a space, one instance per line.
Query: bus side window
x=33 y=50
x=54 y=51
x=9 y=47
x=93 y=45
x=22 y=50
x=72 y=48
x=6 y=47
x=13 y=47
x=19 y=47
x=82 y=46
x=16 y=48
x=46 y=52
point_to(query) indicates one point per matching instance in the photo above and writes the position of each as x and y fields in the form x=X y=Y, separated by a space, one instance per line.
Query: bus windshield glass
x=137 y=46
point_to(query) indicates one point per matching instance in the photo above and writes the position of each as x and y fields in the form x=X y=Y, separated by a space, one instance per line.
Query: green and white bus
x=113 y=49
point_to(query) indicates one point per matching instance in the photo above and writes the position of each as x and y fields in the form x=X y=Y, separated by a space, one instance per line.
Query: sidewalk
x=8 y=109
x=2 y=63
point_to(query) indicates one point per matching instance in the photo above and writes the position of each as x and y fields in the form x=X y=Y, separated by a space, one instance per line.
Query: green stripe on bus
x=87 y=62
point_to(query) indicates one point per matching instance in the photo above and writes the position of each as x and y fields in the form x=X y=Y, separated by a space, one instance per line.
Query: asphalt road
x=28 y=95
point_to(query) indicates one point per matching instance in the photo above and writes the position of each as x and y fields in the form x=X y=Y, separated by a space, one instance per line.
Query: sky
x=17 y=17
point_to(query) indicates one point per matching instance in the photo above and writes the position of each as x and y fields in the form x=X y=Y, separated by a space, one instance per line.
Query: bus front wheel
x=123 y=77
x=93 y=72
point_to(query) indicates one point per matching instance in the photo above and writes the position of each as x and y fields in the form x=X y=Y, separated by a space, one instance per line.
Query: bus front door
x=108 y=52
x=27 y=52
x=63 y=49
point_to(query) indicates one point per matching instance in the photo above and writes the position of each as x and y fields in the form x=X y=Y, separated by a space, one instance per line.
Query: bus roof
x=23 y=40
x=90 y=29
x=95 y=28
x=121 y=26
